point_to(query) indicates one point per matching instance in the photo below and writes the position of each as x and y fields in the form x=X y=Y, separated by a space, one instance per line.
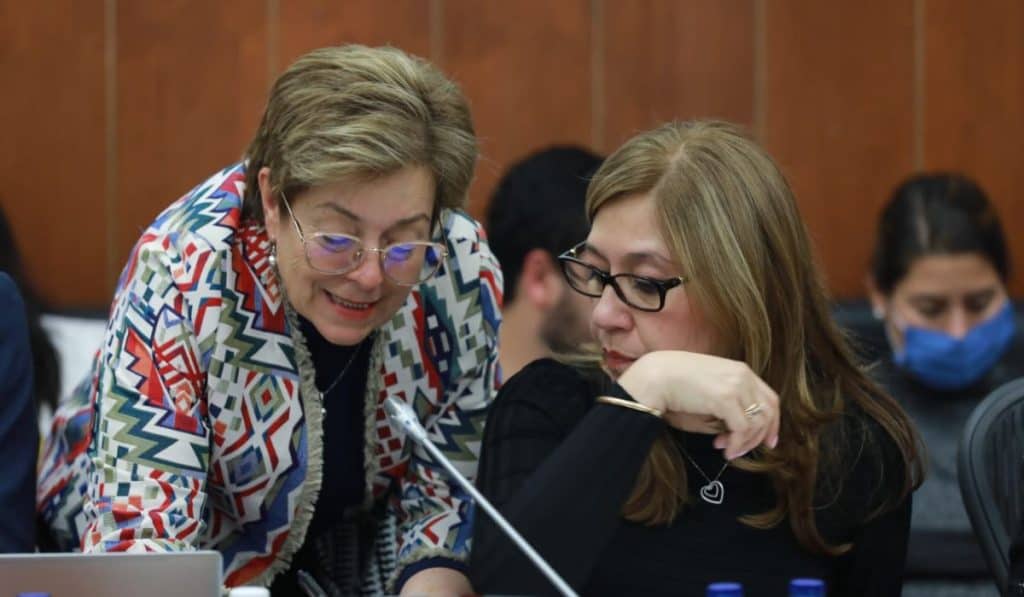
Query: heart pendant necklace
x=713 y=492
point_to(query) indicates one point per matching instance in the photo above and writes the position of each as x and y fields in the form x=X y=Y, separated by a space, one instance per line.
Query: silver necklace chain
x=714 y=491
x=341 y=375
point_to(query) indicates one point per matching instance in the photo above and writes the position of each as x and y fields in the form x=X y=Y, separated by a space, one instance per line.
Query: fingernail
x=774 y=442
x=719 y=443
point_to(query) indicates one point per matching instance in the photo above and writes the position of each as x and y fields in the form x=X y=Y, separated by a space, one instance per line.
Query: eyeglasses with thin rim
x=405 y=263
x=639 y=292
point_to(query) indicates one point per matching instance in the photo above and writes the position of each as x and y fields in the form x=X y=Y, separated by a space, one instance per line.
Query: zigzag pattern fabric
x=200 y=424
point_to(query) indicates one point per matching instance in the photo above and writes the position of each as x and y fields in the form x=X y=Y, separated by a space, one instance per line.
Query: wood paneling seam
x=437 y=32
x=919 y=84
x=273 y=40
x=597 y=87
x=760 y=49
x=110 y=194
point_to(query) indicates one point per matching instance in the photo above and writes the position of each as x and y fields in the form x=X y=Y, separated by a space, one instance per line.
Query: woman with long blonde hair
x=729 y=434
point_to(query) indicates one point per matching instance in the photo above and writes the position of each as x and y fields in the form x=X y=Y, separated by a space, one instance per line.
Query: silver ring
x=752 y=410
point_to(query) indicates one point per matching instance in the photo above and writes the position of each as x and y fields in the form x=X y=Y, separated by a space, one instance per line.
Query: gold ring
x=752 y=410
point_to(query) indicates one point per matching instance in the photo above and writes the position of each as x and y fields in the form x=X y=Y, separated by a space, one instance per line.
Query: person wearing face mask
x=938 y=284
x=260 y=324
x=725 y=431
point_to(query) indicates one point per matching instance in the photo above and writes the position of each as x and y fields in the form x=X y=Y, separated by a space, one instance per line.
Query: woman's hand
x=437 y=581
x=700 y=393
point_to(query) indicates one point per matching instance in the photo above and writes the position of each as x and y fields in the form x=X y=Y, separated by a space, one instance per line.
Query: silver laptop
x=112 y=575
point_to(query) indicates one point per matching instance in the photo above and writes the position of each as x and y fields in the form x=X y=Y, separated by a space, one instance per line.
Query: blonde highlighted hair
x=728 y=215
x=359 y=113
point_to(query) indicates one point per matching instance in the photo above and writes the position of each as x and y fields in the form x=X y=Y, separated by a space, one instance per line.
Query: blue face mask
x=946 y=363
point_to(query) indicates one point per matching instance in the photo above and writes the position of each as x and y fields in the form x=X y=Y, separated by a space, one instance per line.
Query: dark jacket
x=19 y=431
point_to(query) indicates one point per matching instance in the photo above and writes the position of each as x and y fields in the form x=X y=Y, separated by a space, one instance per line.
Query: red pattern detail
x=218 y=432
x=188 y=530
x=184 y=380
x=124 y=512
x=242 y=494
x=285 y=416
x=158 y=524
x=255 y=566
x=429 y=531
x=142 y=365
x=205 y=306
x=423 y=337
x=243 y=439
x=488 y=276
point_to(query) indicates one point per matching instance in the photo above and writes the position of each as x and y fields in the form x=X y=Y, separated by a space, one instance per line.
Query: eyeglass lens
x=405 y=263
x=635 y=291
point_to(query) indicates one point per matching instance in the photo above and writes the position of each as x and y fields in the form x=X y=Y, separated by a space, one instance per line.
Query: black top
x=19 y=429
x=560 y=467
x=343 y=480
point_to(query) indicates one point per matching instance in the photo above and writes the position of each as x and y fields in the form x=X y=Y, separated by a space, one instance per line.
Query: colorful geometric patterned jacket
x=200 y=426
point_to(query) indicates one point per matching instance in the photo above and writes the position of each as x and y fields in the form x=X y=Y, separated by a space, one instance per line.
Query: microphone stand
x=403 y=415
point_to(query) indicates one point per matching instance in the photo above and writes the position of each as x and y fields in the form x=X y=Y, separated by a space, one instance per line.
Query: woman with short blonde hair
x=258 y=327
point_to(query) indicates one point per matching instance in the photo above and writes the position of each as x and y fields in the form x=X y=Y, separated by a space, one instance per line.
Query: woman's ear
x=271 y=207
x=540 y=281
x=879 y=303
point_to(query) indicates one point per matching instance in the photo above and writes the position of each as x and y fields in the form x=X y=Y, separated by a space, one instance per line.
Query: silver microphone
x=404 y=416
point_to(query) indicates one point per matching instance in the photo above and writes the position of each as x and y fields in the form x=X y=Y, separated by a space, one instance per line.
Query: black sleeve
x=19 y=435
x=560 y=472
x=875 y=564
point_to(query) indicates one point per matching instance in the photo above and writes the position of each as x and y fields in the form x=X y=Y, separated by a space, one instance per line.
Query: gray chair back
x=990 y=467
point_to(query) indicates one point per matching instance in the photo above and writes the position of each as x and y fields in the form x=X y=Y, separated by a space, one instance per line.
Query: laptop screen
x=102 y=575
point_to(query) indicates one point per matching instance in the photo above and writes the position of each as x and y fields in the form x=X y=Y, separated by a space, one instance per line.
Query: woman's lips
x=354 y=310
x=616 y=361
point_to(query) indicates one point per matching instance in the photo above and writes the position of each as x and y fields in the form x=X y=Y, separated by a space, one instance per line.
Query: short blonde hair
x=729 y=217
x=358 y=113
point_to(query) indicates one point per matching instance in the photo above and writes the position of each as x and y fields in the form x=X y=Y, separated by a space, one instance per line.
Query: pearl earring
x=272 y=258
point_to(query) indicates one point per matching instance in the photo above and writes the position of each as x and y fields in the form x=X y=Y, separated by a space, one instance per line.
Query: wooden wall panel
x=849 y=97
x=974 y=109
x=838 y=116
x=525 y=67
x=664 y=60
x=308 y=24
x=192 y=79
x=52 y=153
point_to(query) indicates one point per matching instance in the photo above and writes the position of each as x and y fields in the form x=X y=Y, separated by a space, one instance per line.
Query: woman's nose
x=610 y=312
x=370 y=274
x=959 y=323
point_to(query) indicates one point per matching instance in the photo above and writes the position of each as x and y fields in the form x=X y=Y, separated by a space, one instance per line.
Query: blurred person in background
x=938 y=284
x=259 y=325
x=19 y=434
x=535 y=213
x=45 y=362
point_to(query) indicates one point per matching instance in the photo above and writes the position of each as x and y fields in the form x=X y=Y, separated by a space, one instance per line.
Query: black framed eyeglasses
x=639 y=292
x=405 y=263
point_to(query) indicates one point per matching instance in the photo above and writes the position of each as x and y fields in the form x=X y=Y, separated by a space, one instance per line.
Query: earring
x=272 y=258
x=878 y=312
